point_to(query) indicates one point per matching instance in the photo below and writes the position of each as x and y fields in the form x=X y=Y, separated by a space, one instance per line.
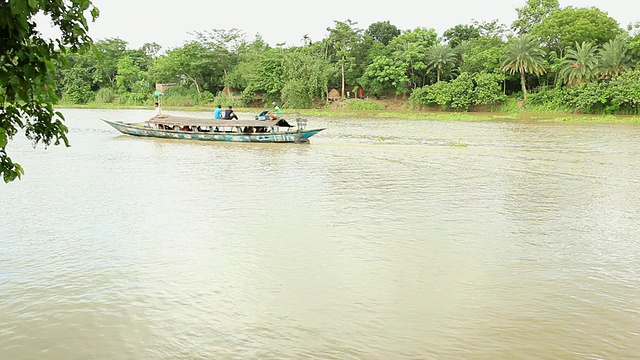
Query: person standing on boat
x=158 y=111
x=275 y=115
x=217 y=113
x=229 y=114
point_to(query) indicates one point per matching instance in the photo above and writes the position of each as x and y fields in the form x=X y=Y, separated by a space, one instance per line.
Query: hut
x=334 y=95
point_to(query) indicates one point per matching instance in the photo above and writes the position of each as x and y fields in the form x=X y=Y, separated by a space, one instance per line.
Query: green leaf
x=3 y=138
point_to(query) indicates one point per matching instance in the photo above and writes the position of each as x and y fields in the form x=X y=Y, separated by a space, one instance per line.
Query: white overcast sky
x=169 y=22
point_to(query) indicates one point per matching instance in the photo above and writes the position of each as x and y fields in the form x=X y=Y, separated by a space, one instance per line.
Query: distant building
x=162 y=87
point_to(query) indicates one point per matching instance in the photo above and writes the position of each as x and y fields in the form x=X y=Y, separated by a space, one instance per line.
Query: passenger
x=158 y=111
x=217 y=113
x=275 y=115
x=229 y=114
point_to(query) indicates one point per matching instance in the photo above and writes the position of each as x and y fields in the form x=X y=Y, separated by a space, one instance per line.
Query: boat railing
x=302 y=123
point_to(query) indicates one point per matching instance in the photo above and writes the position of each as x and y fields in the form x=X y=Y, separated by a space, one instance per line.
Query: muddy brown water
x=382 y=239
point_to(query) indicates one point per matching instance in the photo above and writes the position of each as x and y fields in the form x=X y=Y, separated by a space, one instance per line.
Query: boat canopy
x=186 y=121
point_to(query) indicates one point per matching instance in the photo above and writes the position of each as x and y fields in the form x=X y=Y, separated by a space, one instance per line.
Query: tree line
x=569 y=59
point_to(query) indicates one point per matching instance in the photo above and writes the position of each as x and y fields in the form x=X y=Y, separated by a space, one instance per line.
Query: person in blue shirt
x=217 y=113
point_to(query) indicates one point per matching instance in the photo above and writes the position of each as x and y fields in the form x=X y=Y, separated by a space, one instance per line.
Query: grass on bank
x=506 y=113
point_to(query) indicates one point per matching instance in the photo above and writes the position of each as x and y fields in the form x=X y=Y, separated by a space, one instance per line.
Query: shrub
x=363 y=105
x=547 y=100
x=488 y=89
x=457 y=94
x=625 y=92
x=460 y=92
x=588 y=98
x=228 y=100
x=418 y=96
x=297 y=94
x=77 y=93
x=105 y=96
x=132 y=99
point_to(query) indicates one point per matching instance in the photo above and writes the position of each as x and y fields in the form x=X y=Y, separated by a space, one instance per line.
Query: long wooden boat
x=184 y=128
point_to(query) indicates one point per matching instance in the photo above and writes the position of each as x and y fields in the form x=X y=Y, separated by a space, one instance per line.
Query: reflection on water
x=379 y=240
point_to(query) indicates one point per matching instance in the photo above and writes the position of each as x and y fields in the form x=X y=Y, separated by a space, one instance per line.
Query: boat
x=186 y=128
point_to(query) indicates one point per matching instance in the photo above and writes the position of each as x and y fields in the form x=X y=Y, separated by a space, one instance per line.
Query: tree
x=306 y=77
x=613 y=59
x=151 y=49
x=385 y=74
x=343 y=37
x=633 y=42
x=382 y=31
x=491 y=29
x=532 y=14
x=440 y=57
x=192 y=63
x=481 y=54
x=27 y=66
x=580 y=65
x=459 y=33
x=225 y=45
x=565 y=27
x=130 y=77
x=410 y=47
x=109 y=52
x=264 y=74
x=523 y=55
x=76 y=86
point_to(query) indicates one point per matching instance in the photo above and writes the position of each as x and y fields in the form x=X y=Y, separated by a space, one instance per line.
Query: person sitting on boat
x=217 y=113
x=275 y=115
x=229 y=114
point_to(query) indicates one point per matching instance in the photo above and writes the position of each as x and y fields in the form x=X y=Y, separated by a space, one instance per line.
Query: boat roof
x=187 y=121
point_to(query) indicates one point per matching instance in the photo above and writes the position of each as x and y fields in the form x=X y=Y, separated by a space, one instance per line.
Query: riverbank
x=390 y=112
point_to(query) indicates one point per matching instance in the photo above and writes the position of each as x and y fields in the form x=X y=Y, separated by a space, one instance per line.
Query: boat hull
x=144 y=130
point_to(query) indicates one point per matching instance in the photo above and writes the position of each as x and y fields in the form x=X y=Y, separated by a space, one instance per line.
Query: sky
x=170 y=22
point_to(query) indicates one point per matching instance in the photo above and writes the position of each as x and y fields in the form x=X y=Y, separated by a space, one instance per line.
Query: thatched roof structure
x=334 y=95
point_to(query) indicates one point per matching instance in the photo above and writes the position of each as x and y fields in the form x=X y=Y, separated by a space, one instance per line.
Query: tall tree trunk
x=524 y=85
x=342 y=93
x=197 y=86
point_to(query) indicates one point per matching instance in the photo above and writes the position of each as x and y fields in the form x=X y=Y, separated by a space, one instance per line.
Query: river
x=382 y=239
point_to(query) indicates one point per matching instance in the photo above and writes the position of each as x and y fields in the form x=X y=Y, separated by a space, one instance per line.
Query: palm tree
x=440 y=56
x=613 y=59
x=523 y=55
x=580 y=65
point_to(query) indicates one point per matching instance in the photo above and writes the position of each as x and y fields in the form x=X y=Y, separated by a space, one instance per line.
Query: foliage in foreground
x=28 y=67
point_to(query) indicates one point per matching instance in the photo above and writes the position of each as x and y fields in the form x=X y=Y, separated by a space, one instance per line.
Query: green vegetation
x=363 y=105
x=551 y=59
x=27 y=67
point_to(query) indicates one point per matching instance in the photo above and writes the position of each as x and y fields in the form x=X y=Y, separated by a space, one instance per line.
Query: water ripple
x=380 y=240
